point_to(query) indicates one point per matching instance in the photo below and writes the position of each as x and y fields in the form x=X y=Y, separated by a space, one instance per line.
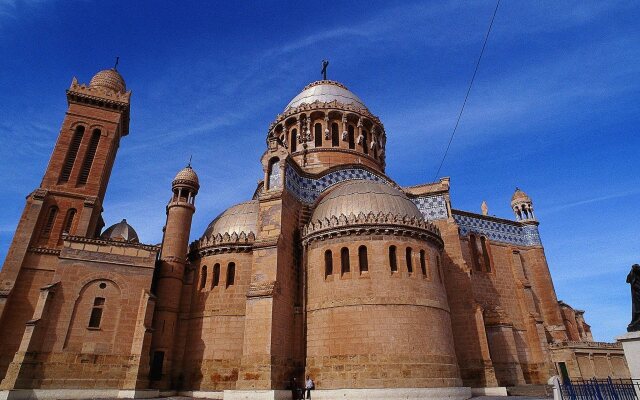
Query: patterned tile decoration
x=432 y=207
x=499 y=232
x=308 y=190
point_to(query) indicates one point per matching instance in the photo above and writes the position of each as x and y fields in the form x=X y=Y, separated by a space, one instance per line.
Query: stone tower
x=173 y=259
x=522 y=206
x=69 y=199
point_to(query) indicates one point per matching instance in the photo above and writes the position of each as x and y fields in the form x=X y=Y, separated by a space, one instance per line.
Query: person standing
x=309 y=386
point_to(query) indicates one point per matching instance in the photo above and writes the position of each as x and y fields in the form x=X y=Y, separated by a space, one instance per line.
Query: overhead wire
x=466 y=97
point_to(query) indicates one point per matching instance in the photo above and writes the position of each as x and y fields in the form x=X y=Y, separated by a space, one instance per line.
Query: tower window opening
x=345 y=266
x=68 y=222
x=294 y=140
x=216 y=276
x=475 y=257
x=375 y=152
x=486 y=254
x=335 y=135
x=72 y=153
x=51 y=218
x=88 y=159
x=318 y=135
x=96 y=312
x=363 y=259
x=423 y=263
x=365 y=147
x=393 y=259
x=274 y=174
x=409 y=256
x=350 y=137
x=203 y=277
x=231 y=274
x=328 y=263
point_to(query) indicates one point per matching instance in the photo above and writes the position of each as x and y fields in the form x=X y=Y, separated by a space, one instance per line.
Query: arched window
x=475 y=257
x=375 y=152
x=318 y=135
x=72 y=153
x=393 y=259
x=486 y=254
x=335 y=135
x=439 y=268
x=274 y=174
x=345 y=267
x=350 y=137
x=216 y=276
x=88 y=158
x=423 y=263
x=365 y=146
x=51 y=218
x=409 y=257
x=362 y=259
x=231 y=274
x=96 y=312
x=203 y=277
x=294 y=140
x=328 y=263
x=68 y=221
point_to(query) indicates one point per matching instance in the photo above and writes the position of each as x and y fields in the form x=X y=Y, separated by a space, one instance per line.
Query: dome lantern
x=522 y=206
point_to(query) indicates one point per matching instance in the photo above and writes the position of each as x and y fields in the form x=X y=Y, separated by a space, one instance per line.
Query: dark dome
x=121 y=231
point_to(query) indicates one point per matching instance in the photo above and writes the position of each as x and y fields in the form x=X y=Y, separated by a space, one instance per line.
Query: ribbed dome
x=324 y=92
x=520 y=196
x=109 y=79
x=364 y=196
x=240 y=218
x=187 y=175
x=121 y=231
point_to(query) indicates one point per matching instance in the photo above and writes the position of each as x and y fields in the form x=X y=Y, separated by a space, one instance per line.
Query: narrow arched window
x=68 y=221
x=393 y=259
x=328 y=263
x=423 y=263
x=275 y=180
x=96 y=312
x=409 y=256
x=375 y=152
x=88 y=158
x=72 y=153
x=203 y=277
x=351 y=138
x=486 y=256
x=318 y=135
x=475 y=257
x=365 y=146
x=231 y=274
x=216 y=275
x=335 y=135
x=363 y=259
x=51 y=218
x=294 y=140
x=345 y=267
x=439 y=268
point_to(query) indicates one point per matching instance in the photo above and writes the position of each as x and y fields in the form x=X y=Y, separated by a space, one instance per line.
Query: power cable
x=464 y=103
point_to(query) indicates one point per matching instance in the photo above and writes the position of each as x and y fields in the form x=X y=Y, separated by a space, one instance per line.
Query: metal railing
x=601 y=389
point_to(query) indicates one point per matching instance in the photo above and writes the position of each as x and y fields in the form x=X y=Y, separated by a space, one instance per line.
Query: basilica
x=331 y=270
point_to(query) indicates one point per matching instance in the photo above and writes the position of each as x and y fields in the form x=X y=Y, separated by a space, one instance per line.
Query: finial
x=484 y=208
x=190 y=157
x=115 y=67
x=325 y=64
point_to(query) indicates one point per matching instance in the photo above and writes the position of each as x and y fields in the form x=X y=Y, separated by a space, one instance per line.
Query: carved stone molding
x=44 y=250
x=263 y=289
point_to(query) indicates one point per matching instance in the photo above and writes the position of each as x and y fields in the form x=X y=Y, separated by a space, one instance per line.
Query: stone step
x=531 y=390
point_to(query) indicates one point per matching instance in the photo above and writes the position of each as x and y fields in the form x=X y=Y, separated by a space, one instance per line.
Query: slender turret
x=172 y=263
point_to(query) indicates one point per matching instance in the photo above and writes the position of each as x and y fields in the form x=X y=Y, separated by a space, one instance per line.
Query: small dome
x=121 y=231
x=364 y=196
x=109 y=79
x=187 y=176
x=240 y=218
x=325 y=92
x=519 y=196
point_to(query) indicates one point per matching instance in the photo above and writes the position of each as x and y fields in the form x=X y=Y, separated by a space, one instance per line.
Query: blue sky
x=554 y=109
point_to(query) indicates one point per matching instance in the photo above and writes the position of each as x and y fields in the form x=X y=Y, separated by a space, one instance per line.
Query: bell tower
x=69 y=199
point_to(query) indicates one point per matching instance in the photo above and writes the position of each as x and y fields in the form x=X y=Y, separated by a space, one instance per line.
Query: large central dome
x=325 y=92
